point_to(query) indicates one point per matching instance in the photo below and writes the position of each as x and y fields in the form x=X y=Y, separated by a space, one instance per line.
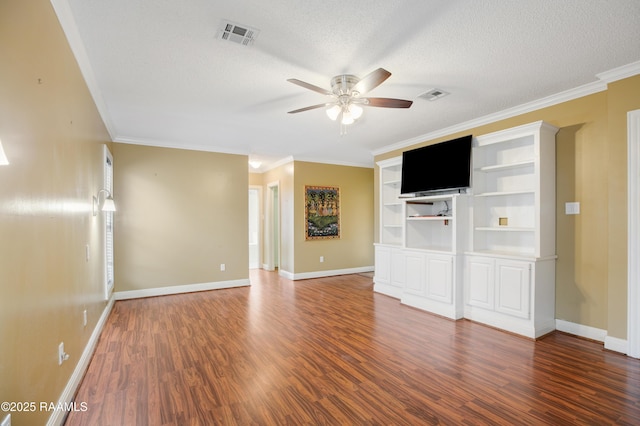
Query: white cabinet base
x=510 y=324
x=385 y=280
x=421 y=279
x=511 y=294
x=447 y=310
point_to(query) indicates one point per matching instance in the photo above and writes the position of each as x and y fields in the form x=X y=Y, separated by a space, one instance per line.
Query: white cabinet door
x=414 y=262
x=513 y=285
x=440 y=278
x=383 y=265
x=481 y=283
x=398 y=268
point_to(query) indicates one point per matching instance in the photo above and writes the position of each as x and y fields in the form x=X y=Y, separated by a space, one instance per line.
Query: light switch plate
x=572 y=208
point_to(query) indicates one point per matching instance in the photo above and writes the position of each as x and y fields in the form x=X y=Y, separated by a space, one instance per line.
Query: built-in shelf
x=503 y=229
x=510 y=271
x=504 y=193
x=391 y=213
x=430 y=218
x=507 y=166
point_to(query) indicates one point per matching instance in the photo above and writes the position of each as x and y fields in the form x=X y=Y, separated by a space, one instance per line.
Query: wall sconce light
x=107 y=206
x=3 y=158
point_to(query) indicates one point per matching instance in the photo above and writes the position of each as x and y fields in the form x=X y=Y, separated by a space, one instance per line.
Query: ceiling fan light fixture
x=356 y=111
x=346 y=101
x=333 y=112
x=347 y=118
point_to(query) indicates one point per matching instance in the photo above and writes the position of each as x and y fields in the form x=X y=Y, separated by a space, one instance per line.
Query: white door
x=480 y=282
x=415 y=277
x=513 y=286
x=398 y=268
x=440 y=278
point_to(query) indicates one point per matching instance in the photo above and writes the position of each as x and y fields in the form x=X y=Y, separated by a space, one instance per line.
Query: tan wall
x=354 y=249
x=623 y=96
x=591 y=168
x=180 y=215
x=54 y=138
x=255 y=179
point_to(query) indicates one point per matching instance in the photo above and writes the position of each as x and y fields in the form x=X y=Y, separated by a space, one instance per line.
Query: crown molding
x=567 y=95
x=620 y=73
x=70 y=29
x=178 y=145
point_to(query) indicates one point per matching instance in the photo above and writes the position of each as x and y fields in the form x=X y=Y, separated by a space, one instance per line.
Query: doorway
x=272 y=246
x=254 y=227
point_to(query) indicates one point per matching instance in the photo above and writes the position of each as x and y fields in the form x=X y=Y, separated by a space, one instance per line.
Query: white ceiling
x=160 y=77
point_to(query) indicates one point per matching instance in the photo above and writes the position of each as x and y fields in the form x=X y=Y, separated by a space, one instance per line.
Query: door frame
x=259 y=230
x=633 y=228
x=272 y=227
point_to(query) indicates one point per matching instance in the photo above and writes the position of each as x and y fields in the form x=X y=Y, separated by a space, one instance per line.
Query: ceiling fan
x=346 y=91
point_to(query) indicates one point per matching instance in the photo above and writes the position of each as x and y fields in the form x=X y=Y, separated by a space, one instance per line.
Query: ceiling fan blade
x=387 y=102
x=309 y=86
x=295 y=111
x=371 y=80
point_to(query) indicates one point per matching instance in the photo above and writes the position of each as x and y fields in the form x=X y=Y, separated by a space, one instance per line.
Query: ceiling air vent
x=433 y=94
x=241 y=34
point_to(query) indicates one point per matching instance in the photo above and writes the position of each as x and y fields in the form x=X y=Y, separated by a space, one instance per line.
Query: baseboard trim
x=68 y=394
x=177 y=289
x=330 y=273
x=617 y=345
x=585 y=331
x=610 y=343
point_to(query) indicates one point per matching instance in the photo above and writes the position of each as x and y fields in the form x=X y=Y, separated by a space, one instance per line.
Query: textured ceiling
x=160 y=77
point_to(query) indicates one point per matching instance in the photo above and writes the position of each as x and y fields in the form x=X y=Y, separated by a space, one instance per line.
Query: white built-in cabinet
x=488 y=256
x=419 y=257
x=391 y=223
x=510 y=270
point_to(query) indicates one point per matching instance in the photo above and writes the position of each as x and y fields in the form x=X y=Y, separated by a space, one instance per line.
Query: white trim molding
x=592 y=333
x=177 y=289
x=633 y=232
x=68 y=24
x=620 y=73
x=617 y=345
x=321 y=274
x=600 y=85
x=567 y=95
x=69 y=392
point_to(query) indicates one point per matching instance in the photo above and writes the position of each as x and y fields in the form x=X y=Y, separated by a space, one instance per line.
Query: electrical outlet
x=62 y=355
x=6 y=421
x=84 y=318
x=223 y=267
x=321 y=259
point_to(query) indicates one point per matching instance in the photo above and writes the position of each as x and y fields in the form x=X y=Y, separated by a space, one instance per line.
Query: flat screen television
x=437 y=167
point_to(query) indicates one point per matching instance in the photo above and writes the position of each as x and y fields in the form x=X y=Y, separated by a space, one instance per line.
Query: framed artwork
x=321 y=212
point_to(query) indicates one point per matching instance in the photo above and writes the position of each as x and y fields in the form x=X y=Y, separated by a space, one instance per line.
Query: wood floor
x=331 y=352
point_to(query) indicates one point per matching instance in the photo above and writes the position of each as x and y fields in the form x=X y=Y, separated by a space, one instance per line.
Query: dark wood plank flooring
x=331 y=352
